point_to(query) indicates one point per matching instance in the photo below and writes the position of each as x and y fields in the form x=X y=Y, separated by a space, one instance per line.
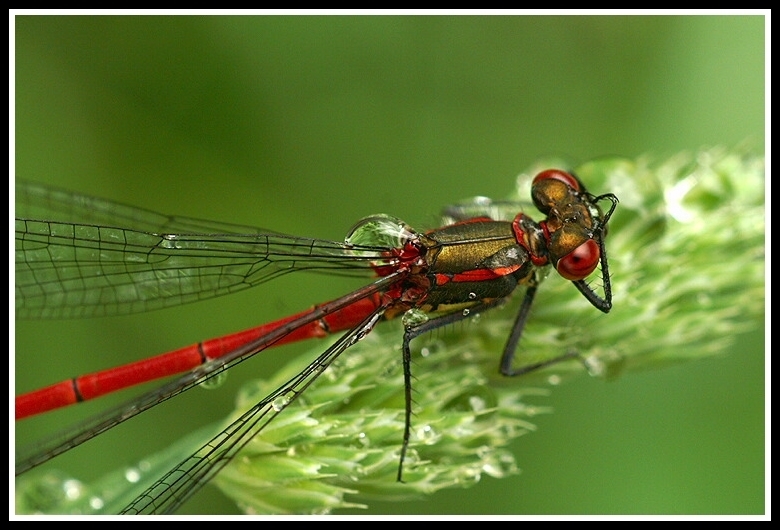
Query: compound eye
x=580 y=262
x=557 y=174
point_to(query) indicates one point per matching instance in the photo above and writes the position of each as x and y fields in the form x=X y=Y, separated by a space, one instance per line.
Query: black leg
x=517 y=331
x=506 y=359
x=514 y=339
x=412 y=332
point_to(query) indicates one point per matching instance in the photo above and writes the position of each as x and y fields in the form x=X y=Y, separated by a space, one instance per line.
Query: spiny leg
x=514 y=339
x=412 y=332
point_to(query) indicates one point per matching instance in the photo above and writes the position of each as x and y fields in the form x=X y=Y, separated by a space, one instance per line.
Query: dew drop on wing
x=383 y=231
x=215 y=381
x=281 y=402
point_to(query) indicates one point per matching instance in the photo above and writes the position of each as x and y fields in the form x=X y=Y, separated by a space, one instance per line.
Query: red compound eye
x=580 y=262
x=556 y=174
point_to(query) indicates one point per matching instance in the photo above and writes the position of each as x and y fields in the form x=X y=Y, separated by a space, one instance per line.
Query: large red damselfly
x=79 y=256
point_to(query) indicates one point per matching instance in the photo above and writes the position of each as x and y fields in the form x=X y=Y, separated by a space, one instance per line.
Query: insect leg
x=514 y=339
x=415 y=331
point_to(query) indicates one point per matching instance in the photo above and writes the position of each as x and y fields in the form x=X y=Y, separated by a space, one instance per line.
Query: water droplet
x=502 y=466
x=365 y=330
x=281 y=402
x=132 y=475
x=414 y=317
x=472 y=296
x=595 y=366
x=215 y=381
x=467 y=475
x=466 y=312
x=380 y=231
x=72 y=488
x=46 y=493
x=426 y=434
x=477 y=403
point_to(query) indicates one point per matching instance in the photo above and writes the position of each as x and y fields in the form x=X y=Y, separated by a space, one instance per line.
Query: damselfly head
x=575 y=229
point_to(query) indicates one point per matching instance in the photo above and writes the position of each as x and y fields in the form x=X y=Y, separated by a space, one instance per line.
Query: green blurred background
x=306 y=124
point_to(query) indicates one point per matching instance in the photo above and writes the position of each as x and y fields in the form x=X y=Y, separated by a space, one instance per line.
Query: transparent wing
x=79 y=256
x=485 y=207
x=181 y=482
x=45 y=450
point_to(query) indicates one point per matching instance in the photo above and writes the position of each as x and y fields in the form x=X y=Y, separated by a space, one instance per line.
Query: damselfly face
x=574 y=225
